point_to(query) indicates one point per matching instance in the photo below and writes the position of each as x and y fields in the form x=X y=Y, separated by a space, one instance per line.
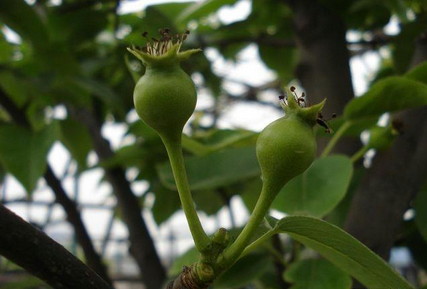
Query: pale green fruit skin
x=165 y=98
x=285 y=149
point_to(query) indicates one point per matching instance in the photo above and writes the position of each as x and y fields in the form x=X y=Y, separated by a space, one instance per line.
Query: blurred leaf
x=281 y=60
x=418 y=73
x=100 y=90
x=171 y=10
x=166 y=203
x=6 y=49
x=28 y=282
x=201 y=9
x=77 y=139
x=318 y=190
x=14 y=88
x=343 y=250
x=215 y=170
x=24 y=153
x=23 y=19
x=316 y=274
x=338 y=215
x=250 y=192
x=126 y=156
x=76 y=26
x=244 y=272
x=388 y=95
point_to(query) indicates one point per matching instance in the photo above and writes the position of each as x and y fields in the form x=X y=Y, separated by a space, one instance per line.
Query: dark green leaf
x=318 y=190
x=245 y=270
x=215 y=170
x=388 y=95
x=24 y=153
x=316 y=274
x=77 y=139
x=23 y=19
x=166 y=203
x=201 y=9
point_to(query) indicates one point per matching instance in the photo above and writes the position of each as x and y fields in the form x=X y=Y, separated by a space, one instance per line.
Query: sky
x=248 y=69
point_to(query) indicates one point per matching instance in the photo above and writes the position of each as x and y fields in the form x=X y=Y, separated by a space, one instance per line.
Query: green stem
x=337 y=135
x=235 y=250
x=174 y=150
x=359 y=154
x=257 y=243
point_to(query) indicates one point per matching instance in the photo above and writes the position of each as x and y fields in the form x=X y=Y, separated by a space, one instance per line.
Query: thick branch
x=73 y=215
x=142 y=246
x=34 y=251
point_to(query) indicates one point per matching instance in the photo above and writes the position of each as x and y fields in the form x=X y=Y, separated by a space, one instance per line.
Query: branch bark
x=34 y=251
x=73 y=215
x=324 y=69
x=142 y=246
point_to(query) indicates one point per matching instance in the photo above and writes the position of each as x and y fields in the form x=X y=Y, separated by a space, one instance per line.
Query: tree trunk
x=323 y=69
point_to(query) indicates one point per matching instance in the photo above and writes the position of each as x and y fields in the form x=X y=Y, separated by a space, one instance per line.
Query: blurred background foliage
x=71 y=55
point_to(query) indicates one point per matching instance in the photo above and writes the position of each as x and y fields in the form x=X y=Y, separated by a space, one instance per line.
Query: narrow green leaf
x=318 y=190
x=343 y=250
x=316 y=274
x=215 y=170
x=23 y=153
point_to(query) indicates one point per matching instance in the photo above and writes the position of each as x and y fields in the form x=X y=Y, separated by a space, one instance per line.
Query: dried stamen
x=158 y=47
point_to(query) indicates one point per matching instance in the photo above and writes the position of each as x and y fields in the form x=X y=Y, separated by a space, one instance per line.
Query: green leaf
x=318 y=190
x=201 y=9
x=388 y=95
x=14 y=88
x=245 y=270
x=316 y=274
x=418 y=73
x=215 y=170
x=23 y=153
x=76 y=138
x=338 y=215
x=343 y=250
x=166 y=203
x=281 y=60
x=23 y=19
x=420 y=205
